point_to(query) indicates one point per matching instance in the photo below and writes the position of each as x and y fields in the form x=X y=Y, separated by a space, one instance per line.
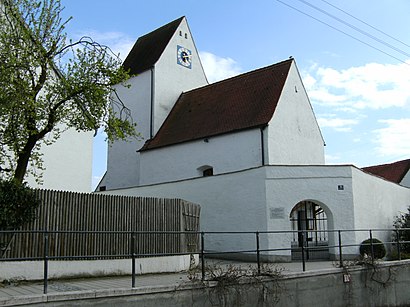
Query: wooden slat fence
x=68 y=211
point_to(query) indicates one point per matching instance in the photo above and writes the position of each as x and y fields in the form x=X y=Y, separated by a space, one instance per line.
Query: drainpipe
x=262 y=146
x=151 y=127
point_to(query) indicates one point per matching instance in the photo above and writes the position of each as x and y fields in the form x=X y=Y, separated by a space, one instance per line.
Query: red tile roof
x=149 y=48
x=394 y=172
x=242 y=102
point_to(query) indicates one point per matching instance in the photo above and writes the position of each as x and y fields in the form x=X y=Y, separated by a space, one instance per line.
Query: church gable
x=148 y=48
x=293 y=136
x=234 y=104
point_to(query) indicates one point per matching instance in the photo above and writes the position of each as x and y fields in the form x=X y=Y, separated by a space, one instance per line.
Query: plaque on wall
x=277 y=213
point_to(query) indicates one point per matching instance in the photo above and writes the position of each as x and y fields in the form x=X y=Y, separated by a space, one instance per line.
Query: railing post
x=203 y=255
x=398 y=243
x=340 y=249
x=371 y=245
x=303 y=252
x=45 y=281
x=258 y=253
x=133 y=244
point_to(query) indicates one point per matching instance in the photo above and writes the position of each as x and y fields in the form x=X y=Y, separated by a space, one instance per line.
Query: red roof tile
x=245 y=101
x=149 y=48
x=394 y=172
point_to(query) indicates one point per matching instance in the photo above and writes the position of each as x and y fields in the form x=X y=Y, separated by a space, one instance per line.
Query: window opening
x=208 y=172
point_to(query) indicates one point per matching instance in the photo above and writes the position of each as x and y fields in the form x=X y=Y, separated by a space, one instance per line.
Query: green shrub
x=18 y=204
x=402 y=221
x=378 y=248
x=395 y=256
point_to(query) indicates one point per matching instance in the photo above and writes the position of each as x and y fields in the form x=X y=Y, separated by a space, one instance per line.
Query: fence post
x=303 y=252
x=133 y=244
x=45 y=281
x=398 y=243
x=258 y=253
x=203 y=255
x=340 y=249
x=371 y=245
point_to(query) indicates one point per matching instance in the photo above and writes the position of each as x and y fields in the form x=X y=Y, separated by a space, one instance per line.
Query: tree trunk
x=23 y=159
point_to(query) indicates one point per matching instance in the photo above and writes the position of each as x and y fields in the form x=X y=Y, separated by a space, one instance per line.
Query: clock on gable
x=184 y=57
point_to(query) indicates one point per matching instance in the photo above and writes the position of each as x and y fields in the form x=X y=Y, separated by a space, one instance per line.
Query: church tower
x=163 y=64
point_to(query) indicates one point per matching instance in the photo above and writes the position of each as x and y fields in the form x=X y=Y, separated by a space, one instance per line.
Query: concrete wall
x=34 y=270
x=67 y=163
x=225 y=153
x=286 y=186
x=293 y=135
x=377 y=202
x=367 y=288
x=261 y=199
x=228 y=202
x=123 y=158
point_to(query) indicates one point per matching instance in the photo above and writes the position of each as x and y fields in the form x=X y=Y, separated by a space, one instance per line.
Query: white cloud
x=394 y=139
x=372 y=86
x=118 y=42
x=218 y=68
x=338 y=124
x=332 y=158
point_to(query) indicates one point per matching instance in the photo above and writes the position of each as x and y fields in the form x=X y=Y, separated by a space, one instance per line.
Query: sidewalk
x=71 y=289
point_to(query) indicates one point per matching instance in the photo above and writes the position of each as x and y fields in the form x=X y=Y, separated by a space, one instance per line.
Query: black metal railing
x=257 y=250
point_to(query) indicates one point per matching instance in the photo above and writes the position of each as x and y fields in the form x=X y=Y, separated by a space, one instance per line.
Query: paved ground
x=26 y=292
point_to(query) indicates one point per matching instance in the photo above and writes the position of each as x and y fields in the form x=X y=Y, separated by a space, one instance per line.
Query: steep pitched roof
x=394 y=172
x=149 y=48
x=245 y=101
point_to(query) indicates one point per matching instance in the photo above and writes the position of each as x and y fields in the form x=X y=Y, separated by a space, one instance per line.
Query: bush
x=18 y=204
x=378 y=248
x=403 y=221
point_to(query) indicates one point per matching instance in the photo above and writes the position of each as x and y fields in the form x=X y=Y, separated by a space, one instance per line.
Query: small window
x=103 y=188
x=180 y=33
x=186 y=35
x=205 y=170
x=208 y=172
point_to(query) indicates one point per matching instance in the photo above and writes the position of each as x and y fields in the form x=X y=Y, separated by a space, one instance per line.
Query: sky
x=353 y=57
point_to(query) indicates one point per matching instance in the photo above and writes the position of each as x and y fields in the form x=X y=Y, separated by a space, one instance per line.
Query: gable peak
x=149 y=47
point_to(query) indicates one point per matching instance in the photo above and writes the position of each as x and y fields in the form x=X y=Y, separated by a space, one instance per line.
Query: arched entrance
x=310 y=221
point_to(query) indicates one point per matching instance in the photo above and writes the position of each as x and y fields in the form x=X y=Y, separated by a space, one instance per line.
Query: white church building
x=248 y=149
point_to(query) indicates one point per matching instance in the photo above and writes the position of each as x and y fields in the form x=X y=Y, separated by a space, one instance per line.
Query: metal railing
x=257 y=250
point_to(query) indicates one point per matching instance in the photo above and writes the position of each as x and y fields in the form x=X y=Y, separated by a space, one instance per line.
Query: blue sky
x=358 y=81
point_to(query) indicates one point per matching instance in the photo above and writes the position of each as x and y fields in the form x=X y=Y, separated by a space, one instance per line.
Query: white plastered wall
x=224 y=153
x=67 y=163
x=286 y=186
x=377 y=202
x=229 y=202
x=250 y=200
x=293 y=135
x=122 y=157
x=243 y=200
x=406 y=180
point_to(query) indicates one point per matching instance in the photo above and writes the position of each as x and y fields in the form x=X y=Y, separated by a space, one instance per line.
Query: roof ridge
x=177 y=21
x=248 y=73
x=386 y=164
x=394 y=171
